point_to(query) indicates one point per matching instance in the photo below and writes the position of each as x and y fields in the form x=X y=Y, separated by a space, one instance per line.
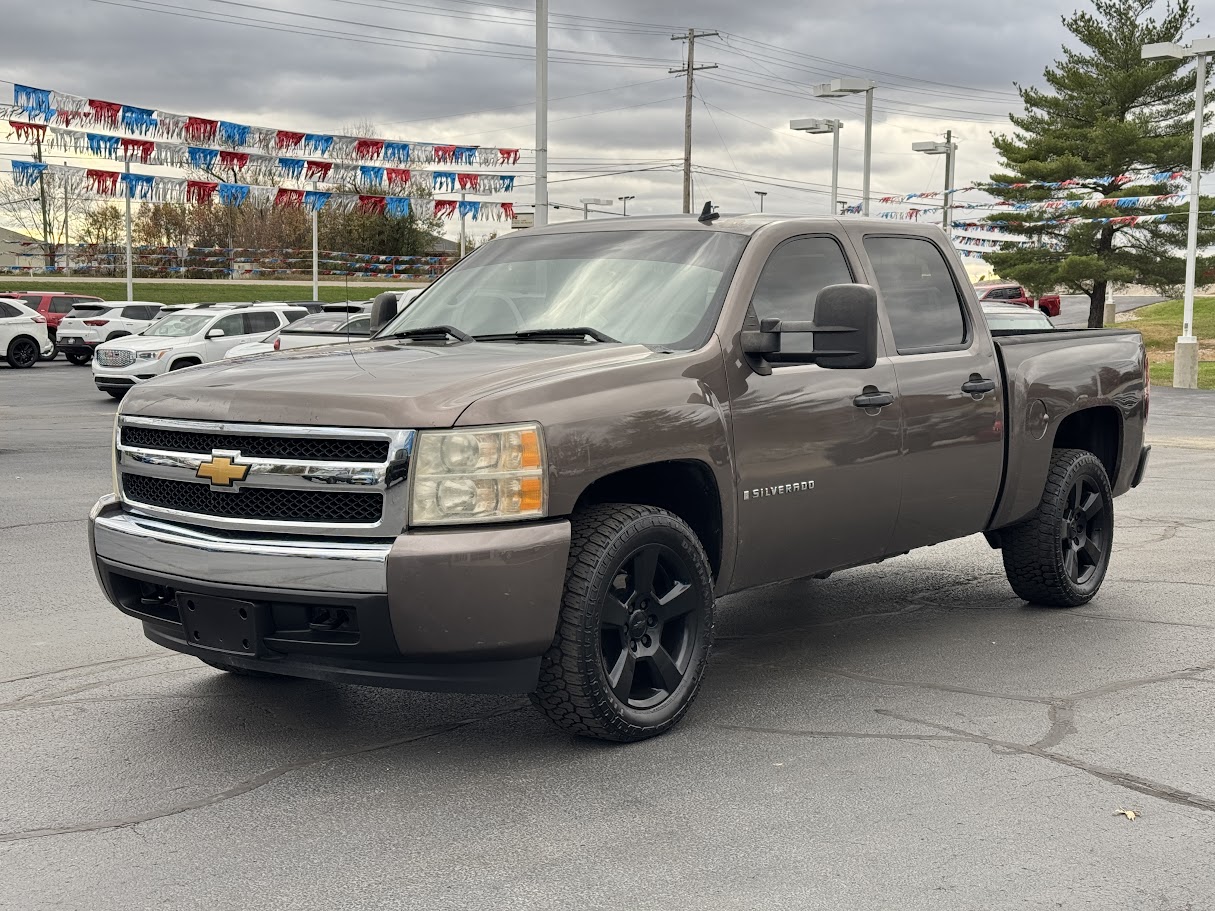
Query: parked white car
x=23 y=335
x=196 y=336
x=88 y=325
x=338 y=323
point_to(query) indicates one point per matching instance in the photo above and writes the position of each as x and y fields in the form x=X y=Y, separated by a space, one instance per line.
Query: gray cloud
x=921 y=53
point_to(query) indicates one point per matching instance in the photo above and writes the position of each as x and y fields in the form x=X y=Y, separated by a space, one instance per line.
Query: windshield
x=179 y=325
x=1024 y=323
x=660 y=288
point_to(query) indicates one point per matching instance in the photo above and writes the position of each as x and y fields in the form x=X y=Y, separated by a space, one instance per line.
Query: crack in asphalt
x=86 y=667
x=249 y=784
x=45 y=522
x=32 y=700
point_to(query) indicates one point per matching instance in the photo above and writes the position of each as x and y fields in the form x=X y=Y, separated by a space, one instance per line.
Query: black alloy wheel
x=635 y=626
x=1058 y=556
x=22 y=352
x=648 y=625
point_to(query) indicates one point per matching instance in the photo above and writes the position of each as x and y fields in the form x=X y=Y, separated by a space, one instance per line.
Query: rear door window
x=261 y=322
x=63 y=304
x=925 y=309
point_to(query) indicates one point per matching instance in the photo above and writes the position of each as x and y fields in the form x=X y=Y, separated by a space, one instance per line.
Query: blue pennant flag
x=371 y=173
x=138 y=186
x=292 y=168
x=106 y=146
x=469 y=207
x=444 y=180
x=233 y=133
x=35 y=102
x=314 y=200
x=465 y=155
x=26 y=173
x=317 y=143
x=397 y=206
x=232 y=194
x=138 y=120
x=508 y=182
x=203 y=159
x=396 y=151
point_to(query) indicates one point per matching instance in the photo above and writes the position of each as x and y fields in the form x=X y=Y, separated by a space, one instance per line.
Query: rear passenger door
x=949 y=388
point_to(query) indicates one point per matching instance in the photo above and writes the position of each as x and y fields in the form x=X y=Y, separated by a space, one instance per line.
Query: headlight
x=150 y=355
x=478 y=475
x=114 y=459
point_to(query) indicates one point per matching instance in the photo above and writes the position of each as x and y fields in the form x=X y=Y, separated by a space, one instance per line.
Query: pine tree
x=1106 y=113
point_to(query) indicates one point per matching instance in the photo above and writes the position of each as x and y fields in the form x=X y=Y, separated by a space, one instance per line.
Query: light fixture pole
x=541 y=113
x=815 y=126
x=761 y=194
x=948 y=148
x=625 y=201
x=592 y=201
x=1185 y=353
x=838 y=88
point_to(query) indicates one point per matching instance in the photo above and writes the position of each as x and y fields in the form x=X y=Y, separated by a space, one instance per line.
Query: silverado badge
x=221 y=471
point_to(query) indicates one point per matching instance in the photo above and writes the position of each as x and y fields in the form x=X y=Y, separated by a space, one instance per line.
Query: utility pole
x=689 y=70
x=46 y=212
x=541 y=218
x=947 y=200
x=316 y=253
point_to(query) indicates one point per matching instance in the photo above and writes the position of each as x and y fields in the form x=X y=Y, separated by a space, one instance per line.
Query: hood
x=146 y=342
x=389 y=384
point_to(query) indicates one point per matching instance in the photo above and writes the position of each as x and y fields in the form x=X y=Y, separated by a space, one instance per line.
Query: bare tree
x=46 y=211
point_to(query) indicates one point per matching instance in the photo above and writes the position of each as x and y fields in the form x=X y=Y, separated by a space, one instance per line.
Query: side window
x=360 y=326
x=62 y=304
x=293 y=315
x=793 y=276
x=7 y=310
x=916 y=285
x=233 y=324
x=260 y=322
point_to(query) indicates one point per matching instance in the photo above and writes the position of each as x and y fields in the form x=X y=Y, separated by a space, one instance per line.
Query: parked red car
x=1009 y=293
x=54 y=305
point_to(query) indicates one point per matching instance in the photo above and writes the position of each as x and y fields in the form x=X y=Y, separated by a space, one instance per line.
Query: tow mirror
x=383 y=309
x=845 y=330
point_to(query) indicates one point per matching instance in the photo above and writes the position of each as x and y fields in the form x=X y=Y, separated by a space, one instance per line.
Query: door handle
x=978 y=385
x=872 y=398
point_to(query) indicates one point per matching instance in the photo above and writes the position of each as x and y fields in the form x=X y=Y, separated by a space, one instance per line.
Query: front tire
x=1058 y=556
x=78 y=359
x=22 y=352
x=116 y=393
x=635 y=627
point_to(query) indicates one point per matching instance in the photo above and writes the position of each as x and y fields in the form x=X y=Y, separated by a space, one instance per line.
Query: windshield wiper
x=432 y=334
x=576 y=333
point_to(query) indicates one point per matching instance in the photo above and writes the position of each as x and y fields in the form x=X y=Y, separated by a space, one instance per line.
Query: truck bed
x=1048 y=374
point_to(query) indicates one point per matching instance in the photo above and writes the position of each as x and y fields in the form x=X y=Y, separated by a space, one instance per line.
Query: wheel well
x=686 y=488
x=22 y=335
x=114 y=335
x=1099 y=430
x=188 y=361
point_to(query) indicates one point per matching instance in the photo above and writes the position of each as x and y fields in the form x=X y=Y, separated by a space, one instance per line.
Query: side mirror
x=215 y=333
x=383 y=309
x=845 y=328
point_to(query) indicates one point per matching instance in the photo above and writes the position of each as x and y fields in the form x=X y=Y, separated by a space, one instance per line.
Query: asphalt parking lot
x=907 y=736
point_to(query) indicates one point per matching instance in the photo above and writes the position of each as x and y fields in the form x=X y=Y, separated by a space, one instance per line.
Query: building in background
x=12 y=245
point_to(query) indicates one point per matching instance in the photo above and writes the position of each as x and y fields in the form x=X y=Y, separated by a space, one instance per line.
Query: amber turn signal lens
x=529 y=441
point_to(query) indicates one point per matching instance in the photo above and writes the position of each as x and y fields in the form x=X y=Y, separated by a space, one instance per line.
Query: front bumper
x=119 y=378
x=83 y=346
x=465 y=610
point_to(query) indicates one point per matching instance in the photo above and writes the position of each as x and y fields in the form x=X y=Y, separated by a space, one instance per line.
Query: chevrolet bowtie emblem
x=221 y=471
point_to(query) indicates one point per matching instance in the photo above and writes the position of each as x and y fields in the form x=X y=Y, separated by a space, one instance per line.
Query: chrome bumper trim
x=298 y=564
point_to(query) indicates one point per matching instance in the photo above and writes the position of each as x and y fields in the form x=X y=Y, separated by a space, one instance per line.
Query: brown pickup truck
x=540 y=476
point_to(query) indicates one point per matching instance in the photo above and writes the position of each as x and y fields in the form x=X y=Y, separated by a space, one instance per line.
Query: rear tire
x=79 y=359
x=635 y=627
x=1058 y=556
x=23 y=352
x=116 y=393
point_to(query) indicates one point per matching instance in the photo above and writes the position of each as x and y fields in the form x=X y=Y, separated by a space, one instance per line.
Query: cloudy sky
x=459 y=71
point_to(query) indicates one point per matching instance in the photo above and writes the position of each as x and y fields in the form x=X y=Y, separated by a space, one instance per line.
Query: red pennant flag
x=285 y=139
x=105 y=112
x=468 y=181
x=103 y=182
x=200 y=191
x=201 y=130
x=508 y=156
x=289 y=199
x=369 y=148
x=138 y=148
x=67 y=118
x=238 y=160
x=318 y=170
x=445 y=206
x=396 y=177
x=445 y=154
x=372 y=205
x=508 y=209
x=28 y=131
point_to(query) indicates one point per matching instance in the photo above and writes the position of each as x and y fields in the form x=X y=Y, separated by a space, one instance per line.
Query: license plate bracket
x=69 y=340
x=223 y=624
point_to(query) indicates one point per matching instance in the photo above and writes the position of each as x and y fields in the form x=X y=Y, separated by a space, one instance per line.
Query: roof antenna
x=707 y=215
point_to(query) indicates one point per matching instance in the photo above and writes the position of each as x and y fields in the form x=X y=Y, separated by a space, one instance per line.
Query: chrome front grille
x=108 y=357
x=303 y=480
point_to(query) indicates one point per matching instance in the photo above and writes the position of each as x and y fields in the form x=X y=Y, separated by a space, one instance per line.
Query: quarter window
x=261 y=322
x=917 y=288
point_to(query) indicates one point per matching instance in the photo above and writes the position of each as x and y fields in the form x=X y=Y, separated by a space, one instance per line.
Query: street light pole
x=838 y=88
x=625 y=201
x=541 y=218
x=1185 y=353
x=592 y=201
x=761 y=194
x=316 y=254
x=946 y=148
x=815 y=126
